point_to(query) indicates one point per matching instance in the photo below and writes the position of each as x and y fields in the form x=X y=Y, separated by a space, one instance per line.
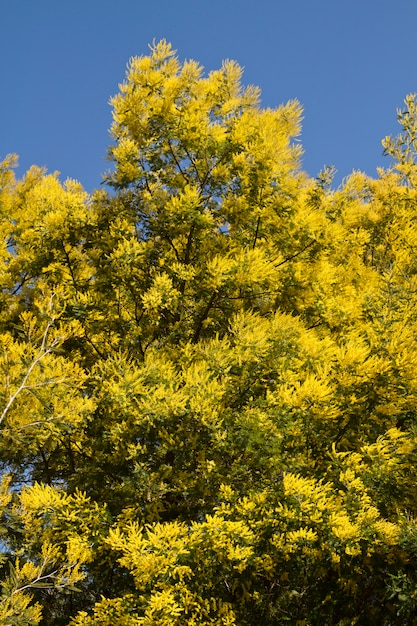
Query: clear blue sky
x=349 y=62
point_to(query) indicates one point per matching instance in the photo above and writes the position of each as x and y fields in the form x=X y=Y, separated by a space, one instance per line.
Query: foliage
x=208 y=372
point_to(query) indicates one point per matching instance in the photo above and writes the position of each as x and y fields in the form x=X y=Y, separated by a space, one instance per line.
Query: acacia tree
x=208 y=373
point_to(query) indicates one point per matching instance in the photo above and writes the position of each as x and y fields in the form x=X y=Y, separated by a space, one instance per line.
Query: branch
x=35 y=582
x=256 y=232
x=204 y=317
x=42 y=352
x=177 y=163
x=189 y=244
x=67 y=257
x=171 y=243
x=197 y=173
x=294 y=256
x=19 y=286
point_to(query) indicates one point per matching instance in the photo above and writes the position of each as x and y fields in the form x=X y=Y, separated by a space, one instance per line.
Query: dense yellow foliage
x=209 y=374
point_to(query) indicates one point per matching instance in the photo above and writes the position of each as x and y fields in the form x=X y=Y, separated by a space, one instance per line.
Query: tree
x=208 y=373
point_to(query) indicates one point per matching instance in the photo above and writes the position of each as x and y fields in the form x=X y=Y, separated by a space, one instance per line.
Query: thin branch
x=256 y=232
x=43 y=351
x=204 y=317
x=20 y=285
x=177 y=163
x=92 y=344
x=168 y=239
x=69 y=264
x=35 y=582
x=197 y=173
x=294 y=256
x=189 y=244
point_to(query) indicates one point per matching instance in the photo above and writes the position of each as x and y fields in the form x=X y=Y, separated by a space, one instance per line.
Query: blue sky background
x=349 y=62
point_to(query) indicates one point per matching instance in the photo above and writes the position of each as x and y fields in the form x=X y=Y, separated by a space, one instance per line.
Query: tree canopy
x=209 y=372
